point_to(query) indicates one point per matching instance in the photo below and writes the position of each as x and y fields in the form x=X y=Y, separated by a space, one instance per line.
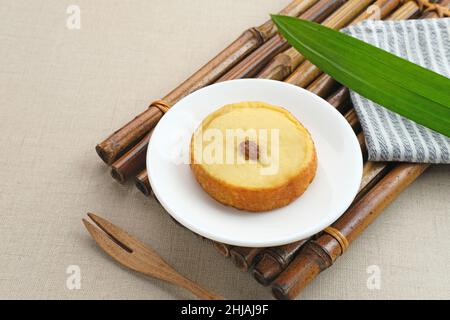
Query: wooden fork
x=138 y=257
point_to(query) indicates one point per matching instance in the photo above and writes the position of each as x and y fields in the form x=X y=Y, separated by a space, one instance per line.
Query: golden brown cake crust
x=256 y=199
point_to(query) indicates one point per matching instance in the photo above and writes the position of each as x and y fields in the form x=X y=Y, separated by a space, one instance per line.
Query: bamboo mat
x=63 y=91
x=288 y=269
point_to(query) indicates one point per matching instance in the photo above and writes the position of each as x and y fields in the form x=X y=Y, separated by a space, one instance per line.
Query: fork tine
x=124 y=239
x=110 y=247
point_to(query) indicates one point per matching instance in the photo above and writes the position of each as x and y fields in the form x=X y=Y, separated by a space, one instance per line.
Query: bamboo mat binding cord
x=161 y=105
x=426 y=6
x=338 y=236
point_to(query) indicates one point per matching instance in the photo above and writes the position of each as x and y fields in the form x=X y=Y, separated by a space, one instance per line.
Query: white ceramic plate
x=333 y=189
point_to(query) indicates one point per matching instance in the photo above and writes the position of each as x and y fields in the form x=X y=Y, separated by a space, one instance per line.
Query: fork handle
x=195 y=288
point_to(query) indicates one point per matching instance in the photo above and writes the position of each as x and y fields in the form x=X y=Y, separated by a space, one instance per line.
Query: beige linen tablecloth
x=63 y=90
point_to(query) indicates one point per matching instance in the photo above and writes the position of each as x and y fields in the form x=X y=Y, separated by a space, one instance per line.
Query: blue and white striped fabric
x=389 y=136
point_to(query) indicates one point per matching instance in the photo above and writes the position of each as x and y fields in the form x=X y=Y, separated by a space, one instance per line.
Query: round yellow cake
x=253 y=156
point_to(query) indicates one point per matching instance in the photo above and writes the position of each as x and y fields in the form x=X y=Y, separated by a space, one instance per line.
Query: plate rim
x=259 y=243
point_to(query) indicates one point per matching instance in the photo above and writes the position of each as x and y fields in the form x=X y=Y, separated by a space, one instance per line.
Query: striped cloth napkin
x=389 y=136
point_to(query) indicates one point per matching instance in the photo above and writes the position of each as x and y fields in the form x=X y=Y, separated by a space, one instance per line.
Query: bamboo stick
x=252 y=64
x=372 y=173
x=143 y=184
x=321 y=253
x=285 y=63
x=274 y=260
x=340 y=99
x=131 y=162
x=244 y=258
x=353 y=120
x=410 y=9
x=346 y=14
x=294 y=8
x=322 y=86
x=379 y=10
x=281 y=65
x=362 y=143
x=222 y=248
x=124 y=138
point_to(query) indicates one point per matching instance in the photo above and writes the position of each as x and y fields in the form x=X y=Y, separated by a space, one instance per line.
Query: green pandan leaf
x=403 y=87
